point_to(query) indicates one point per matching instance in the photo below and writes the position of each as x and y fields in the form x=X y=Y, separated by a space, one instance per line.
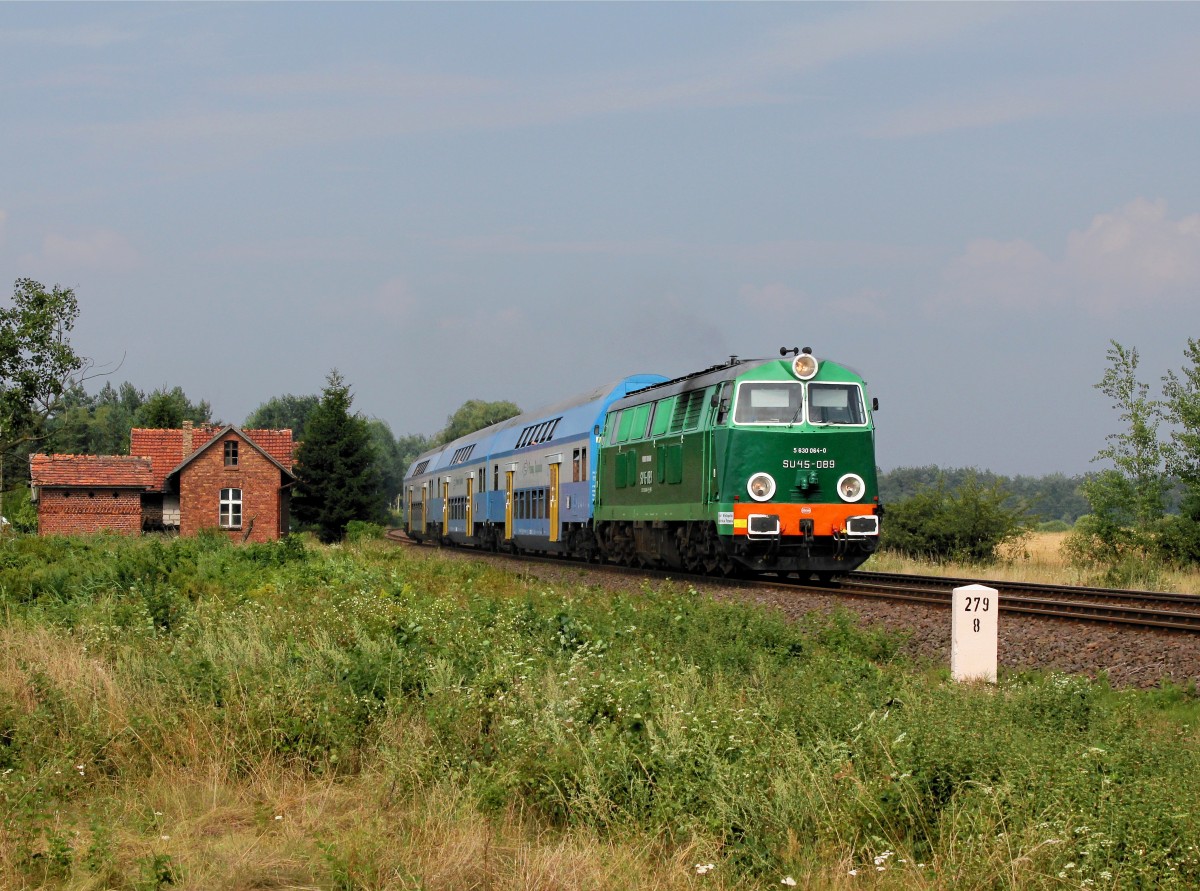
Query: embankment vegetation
x=191 y=714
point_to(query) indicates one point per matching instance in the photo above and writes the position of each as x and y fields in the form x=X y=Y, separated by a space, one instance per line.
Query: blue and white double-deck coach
x=527 y=483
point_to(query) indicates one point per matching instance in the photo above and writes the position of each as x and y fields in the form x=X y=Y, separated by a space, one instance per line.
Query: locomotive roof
x=705 y=377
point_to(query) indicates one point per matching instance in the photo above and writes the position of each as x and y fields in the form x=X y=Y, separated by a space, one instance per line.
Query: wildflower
x=165 y=837
x=854 y=872
x=279 y=816
x=703 y=868
x=789 y=881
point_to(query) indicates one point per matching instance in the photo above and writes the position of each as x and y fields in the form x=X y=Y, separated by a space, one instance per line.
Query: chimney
x=187 y=438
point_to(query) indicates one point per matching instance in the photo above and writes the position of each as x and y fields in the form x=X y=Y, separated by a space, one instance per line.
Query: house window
x=231 y=508
x=231 y=453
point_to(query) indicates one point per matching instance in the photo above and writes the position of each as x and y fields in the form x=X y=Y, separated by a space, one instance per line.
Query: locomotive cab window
x=769 y=402
x=836 y=404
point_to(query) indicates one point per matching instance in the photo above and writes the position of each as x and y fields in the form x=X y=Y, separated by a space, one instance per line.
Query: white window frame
x=230 y=513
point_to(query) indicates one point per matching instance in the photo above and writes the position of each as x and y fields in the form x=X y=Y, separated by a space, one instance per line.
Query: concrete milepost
x=973 y=634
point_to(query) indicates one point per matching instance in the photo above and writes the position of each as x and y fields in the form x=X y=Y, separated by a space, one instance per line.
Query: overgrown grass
x=194 y=714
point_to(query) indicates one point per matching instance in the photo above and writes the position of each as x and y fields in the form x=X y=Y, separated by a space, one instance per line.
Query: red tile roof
x=165 y=447
x=99 y=471
x=276 y=443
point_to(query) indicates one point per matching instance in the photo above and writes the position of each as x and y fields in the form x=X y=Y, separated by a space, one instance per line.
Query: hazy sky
x=963 y=201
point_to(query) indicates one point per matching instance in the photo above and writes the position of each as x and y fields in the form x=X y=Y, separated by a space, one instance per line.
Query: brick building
x=180 y=480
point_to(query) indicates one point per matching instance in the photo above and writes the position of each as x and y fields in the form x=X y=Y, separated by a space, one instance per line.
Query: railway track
x=1140 y=609
x=1147 y=609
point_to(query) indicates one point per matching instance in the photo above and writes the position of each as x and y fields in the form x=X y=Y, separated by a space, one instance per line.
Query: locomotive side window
x=835 y=404
x=661 y=421
x=769 y=402
x=614 y=424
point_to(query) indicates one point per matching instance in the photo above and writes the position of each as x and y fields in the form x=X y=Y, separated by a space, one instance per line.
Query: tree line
x=1141 y=508
x=349 y=466
x=1136 y=515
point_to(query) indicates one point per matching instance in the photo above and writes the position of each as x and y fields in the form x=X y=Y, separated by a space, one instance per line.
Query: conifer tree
x=337 y=477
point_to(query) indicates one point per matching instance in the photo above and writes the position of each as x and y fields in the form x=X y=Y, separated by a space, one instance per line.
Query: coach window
x=231 y=509
x=231 y=453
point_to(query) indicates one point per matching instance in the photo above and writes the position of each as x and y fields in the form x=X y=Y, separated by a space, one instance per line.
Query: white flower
x=702 y=868
x=854 y=872
x=165 y=837
x=279 y=816
x=789 y=881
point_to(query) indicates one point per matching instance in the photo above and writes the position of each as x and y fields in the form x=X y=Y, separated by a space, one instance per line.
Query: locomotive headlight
x=851 y=487
x=761 y=486
x=805 y=366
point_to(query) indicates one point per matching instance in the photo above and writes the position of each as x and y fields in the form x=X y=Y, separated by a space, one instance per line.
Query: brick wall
x=201 y=482
x=81 y=511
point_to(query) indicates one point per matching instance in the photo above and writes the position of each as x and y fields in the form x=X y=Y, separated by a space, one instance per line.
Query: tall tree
x=165 y=409
x=1127 y=498
x=37 y=363
x=1181 y=402
x=475 y=414
x=1182 y=405
x=388 y=460
x=283 y=413
x=338 y=479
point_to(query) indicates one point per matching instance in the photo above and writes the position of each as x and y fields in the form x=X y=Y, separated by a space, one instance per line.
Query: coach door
x=408 y=509
x=554 y=467
x=470 y=511
x=446 y=506
x=508 y=501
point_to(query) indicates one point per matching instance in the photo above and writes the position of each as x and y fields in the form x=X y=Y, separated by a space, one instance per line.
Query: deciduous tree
x=37 y=362
x=1181 y=402
x=1127 y=498
x=284 y=413
x=475 y=414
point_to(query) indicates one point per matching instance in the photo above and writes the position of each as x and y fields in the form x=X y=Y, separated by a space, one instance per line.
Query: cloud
x=394 y=299
x=369 y=100
x=103 y=249
x=772 y=298
x=79 y=37
x=1129 y=258
x=1137 y=249
x=1165 y=83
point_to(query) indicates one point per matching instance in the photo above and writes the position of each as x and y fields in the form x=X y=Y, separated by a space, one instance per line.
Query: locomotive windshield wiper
x=796 y=416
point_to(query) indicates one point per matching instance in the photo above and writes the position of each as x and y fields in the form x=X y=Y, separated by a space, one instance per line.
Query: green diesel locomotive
x=765 y=465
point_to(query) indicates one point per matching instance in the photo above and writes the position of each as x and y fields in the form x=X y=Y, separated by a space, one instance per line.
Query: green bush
x=20 y=511
x=967 y=524
x=359 y=530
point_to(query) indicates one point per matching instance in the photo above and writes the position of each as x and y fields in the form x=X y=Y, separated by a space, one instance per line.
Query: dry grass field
x=1039 y=558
